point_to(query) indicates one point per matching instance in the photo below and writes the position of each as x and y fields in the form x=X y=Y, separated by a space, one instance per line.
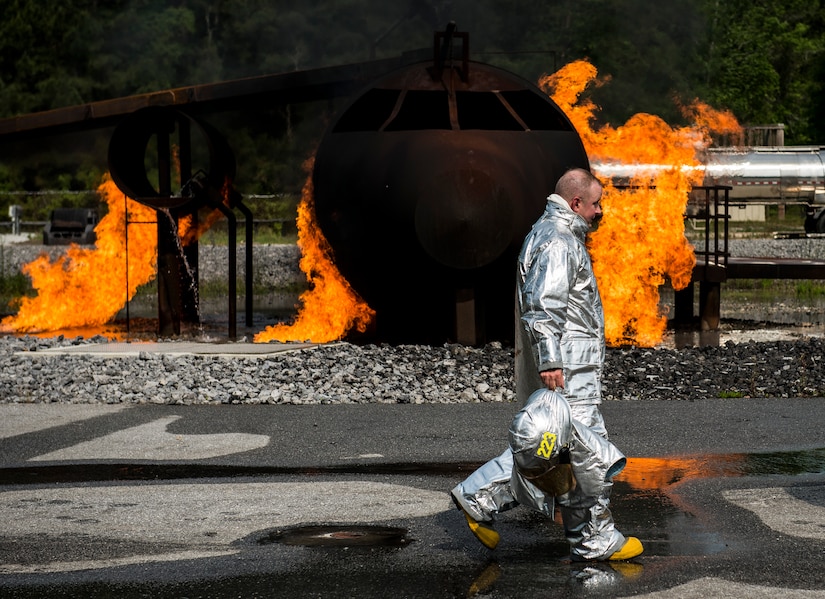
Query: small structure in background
x=762 y=136
x=71 y=225
x=15 y=212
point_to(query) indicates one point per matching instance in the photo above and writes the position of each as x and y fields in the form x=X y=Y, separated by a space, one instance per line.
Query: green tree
x=43 y=53
x=762 y=59
x=152 y=46
x=650 y=55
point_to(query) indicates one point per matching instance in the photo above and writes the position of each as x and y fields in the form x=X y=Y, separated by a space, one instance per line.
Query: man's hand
x=552 y=378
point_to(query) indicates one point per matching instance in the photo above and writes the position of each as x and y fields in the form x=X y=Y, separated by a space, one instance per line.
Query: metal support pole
x=465 y=317
x=683 y=305
x=190 y=311
x=248 y=279
x=169 y=304
x=709 y=305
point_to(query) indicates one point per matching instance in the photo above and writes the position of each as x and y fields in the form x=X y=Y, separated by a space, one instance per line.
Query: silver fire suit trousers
x=588 y=523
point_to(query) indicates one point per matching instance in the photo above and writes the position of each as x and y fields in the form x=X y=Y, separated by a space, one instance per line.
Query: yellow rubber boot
x=484 y=533
x=631 y=548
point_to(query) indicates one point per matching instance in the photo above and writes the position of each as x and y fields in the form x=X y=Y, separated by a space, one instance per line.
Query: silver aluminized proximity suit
x=544 y=438
x=560 y=319
x=559 y=324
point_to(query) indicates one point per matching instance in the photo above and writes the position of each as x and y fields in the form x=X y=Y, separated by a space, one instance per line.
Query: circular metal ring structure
x=130 y=160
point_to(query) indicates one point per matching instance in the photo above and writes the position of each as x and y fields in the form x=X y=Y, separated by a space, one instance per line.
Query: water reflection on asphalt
x=438 y=556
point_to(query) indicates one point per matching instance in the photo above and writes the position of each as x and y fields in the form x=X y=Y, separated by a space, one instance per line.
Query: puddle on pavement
x=592 y=577
x=338 y=536
x=657 y=473
x=647 y=504
x=532 y=558
x=640 y=473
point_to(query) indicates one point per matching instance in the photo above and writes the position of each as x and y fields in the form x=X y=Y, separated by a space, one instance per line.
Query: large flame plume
x=88 y=286
x=639 y=244
x=641 y=240
x=330 y=308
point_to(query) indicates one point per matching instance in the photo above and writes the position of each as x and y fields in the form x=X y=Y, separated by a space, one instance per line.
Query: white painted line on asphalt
x=363 y=456
x=151 y=441
x=716 y=587
x=781 y=511
x=200 y=518
x=53 y=567
x=18 y=419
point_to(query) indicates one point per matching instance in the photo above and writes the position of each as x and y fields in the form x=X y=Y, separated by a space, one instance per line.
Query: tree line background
x=762 y=59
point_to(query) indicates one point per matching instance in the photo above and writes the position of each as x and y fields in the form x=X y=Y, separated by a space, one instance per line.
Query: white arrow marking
x=152 y=442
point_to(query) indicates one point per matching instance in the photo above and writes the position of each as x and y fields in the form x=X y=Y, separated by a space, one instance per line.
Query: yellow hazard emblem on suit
x=548 y=443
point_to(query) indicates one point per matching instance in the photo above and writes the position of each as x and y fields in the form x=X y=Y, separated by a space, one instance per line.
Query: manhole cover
x=339 y=536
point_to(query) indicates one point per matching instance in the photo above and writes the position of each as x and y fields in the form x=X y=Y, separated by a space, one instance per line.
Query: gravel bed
x=346 y=373
x=806 y=248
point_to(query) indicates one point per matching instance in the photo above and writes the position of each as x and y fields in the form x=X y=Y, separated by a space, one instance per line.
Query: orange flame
x=189 y=233
x=331 y=308
x=87 y=286
x=639 y=243
x=641 y=239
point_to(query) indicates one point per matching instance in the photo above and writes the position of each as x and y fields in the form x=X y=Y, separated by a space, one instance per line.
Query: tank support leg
x=709 y=304
x=465 y=317
x=683 y=305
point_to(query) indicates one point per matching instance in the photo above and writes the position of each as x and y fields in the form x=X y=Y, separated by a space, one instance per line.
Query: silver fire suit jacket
x=559 y=315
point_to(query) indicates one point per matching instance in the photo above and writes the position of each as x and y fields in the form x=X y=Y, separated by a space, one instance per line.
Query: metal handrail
x=714 y=212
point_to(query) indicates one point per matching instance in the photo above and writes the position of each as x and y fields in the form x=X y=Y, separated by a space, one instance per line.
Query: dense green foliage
x=762 y=59
x=765 y=63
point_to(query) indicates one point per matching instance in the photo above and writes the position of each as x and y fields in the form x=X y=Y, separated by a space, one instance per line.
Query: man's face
x=589 y=206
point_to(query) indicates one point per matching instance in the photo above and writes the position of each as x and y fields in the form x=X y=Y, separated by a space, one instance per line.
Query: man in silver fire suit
x=559 y=346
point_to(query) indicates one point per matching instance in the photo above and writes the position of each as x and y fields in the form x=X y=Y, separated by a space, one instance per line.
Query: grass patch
x=773 y=289
x=16 y=284
x=12 y=288
x=809 y=289
x=274 y=222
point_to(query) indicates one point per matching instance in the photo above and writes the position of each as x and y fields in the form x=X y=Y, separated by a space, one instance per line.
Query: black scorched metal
x=425 y=187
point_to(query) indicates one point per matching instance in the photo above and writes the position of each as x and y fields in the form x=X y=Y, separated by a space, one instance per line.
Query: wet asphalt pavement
x=727 y=495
